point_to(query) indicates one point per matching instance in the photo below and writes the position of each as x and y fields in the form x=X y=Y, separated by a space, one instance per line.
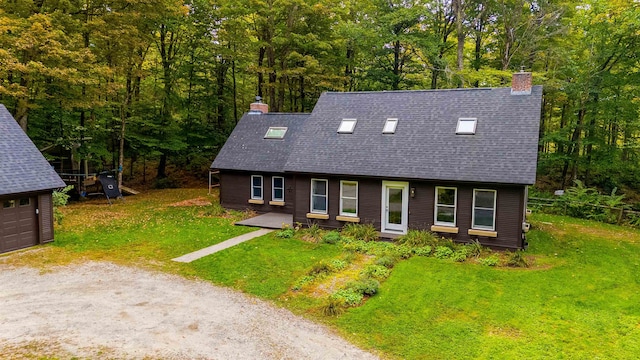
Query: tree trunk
x=460 y=32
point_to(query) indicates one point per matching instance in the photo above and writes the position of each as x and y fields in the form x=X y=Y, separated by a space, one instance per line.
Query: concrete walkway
x=220 y=246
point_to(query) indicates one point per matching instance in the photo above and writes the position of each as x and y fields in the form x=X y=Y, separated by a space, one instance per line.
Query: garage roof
x=22 y=167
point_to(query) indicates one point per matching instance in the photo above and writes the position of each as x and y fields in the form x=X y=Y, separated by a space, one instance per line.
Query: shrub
x=333 y=307
x=337 y=264
x=320 y=268
x=348 y=297
x=313 y=233
x=417 y=238
x=489 y=261
x=474 y=248
x=285 y=233
x=60 y=198
x=165 y=183
x=443 y=252
x=362 y=232
x=387 y=261
x=404 y=251
x=517 y=259
x=422 y=251
x=378 y=272
x=459 y=255
x=365 y=286
x=331 y=237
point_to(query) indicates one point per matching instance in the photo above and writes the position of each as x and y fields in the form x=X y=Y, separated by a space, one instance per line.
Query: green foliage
x=332 y=237
x=422 y=251
x=59 y=199
x=365 y=286
x=492 y=260
x=319 y=269
x=443 y=252
x=313 y=233
x=460 y=255
x=587 y=203
x=333 y=306
x=377 y=272
x=364 y=232
x=286 y=233
x=338 y=264
x=417 y=238
x=349 y=297
x=474 y=248
x=517 y=259
x=387 y=261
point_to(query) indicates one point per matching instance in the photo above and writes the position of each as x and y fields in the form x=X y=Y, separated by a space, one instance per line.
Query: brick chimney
x=258 y=107
x=521 y=83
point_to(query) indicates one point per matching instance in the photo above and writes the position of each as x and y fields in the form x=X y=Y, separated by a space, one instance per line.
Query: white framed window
x=484 y=209
x=466 y=126
x=347 y=126
x=275 y=132
x=349 y=198
x=390 y=126
x=277 y=188
x=319 y=196
x=256 y=187
x=445 y=208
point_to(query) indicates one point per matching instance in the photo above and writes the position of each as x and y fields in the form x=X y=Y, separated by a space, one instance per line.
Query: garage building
x=26 y=184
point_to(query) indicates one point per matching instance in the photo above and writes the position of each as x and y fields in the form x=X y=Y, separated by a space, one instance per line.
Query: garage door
x=18 y=224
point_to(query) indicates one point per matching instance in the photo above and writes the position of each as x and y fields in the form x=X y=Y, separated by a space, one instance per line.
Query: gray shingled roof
x=247 y=149
x=424 y=146
x=22 y=166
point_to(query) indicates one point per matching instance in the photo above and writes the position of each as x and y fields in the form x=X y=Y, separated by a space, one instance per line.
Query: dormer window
x=347 y=126
x=390 y=126
x=466 y=126
x=275 y=133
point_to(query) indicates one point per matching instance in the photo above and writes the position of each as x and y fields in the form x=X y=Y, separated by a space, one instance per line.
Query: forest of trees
x=117 y=81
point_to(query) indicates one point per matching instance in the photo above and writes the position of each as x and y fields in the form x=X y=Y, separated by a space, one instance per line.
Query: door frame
x=404 y=221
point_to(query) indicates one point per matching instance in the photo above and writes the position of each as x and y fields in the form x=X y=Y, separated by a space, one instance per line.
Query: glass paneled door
x=395 y=206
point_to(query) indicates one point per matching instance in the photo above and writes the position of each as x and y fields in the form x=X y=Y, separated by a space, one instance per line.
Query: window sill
x=486 y=233
x=444 y=229
x=318 y=216
x=276 y=203
x=256 y=201
x=354 y=219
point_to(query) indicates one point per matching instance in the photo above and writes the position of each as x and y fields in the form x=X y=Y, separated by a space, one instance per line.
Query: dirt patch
x=101 y=310
x=200 y=201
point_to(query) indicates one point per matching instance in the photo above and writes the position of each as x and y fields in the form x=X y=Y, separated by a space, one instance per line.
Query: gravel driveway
x=103 y=310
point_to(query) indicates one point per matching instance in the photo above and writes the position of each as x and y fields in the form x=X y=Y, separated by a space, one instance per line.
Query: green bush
x=303 y=281
x=337 y=264
x=443 y=252
x=320 y=268
x=331 y=237
x=348 y=297
x=489 y=261
x=313 y=233
x=387 y=261
x=474 y=248
x=417 y=238
x=377 y=272
x=60 y=198
x=362 y=232
x=459 y=255
x=404 y=251
x=333 y=307
x=517 y=259
x=365 y=286
x=286 y=233
x=422 y=251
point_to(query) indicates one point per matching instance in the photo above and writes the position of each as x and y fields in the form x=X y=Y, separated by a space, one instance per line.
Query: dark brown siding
x=235 y=192
x=509 y=207
x=45 y=218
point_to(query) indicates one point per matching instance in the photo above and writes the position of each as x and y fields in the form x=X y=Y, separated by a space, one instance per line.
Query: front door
x=395 y=206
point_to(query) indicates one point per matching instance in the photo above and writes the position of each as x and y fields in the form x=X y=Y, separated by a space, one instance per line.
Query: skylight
x=466 y=126
x=347 y=126
x=390 y=126
x=275 y=133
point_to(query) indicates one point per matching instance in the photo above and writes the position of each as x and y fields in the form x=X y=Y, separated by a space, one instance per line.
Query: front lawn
x=579 y=299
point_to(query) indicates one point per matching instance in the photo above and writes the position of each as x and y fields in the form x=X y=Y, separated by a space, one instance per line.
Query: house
x=26 y=184
x=456 y=162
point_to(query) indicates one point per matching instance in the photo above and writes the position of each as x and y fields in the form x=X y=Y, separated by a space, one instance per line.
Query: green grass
x=579 y=299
